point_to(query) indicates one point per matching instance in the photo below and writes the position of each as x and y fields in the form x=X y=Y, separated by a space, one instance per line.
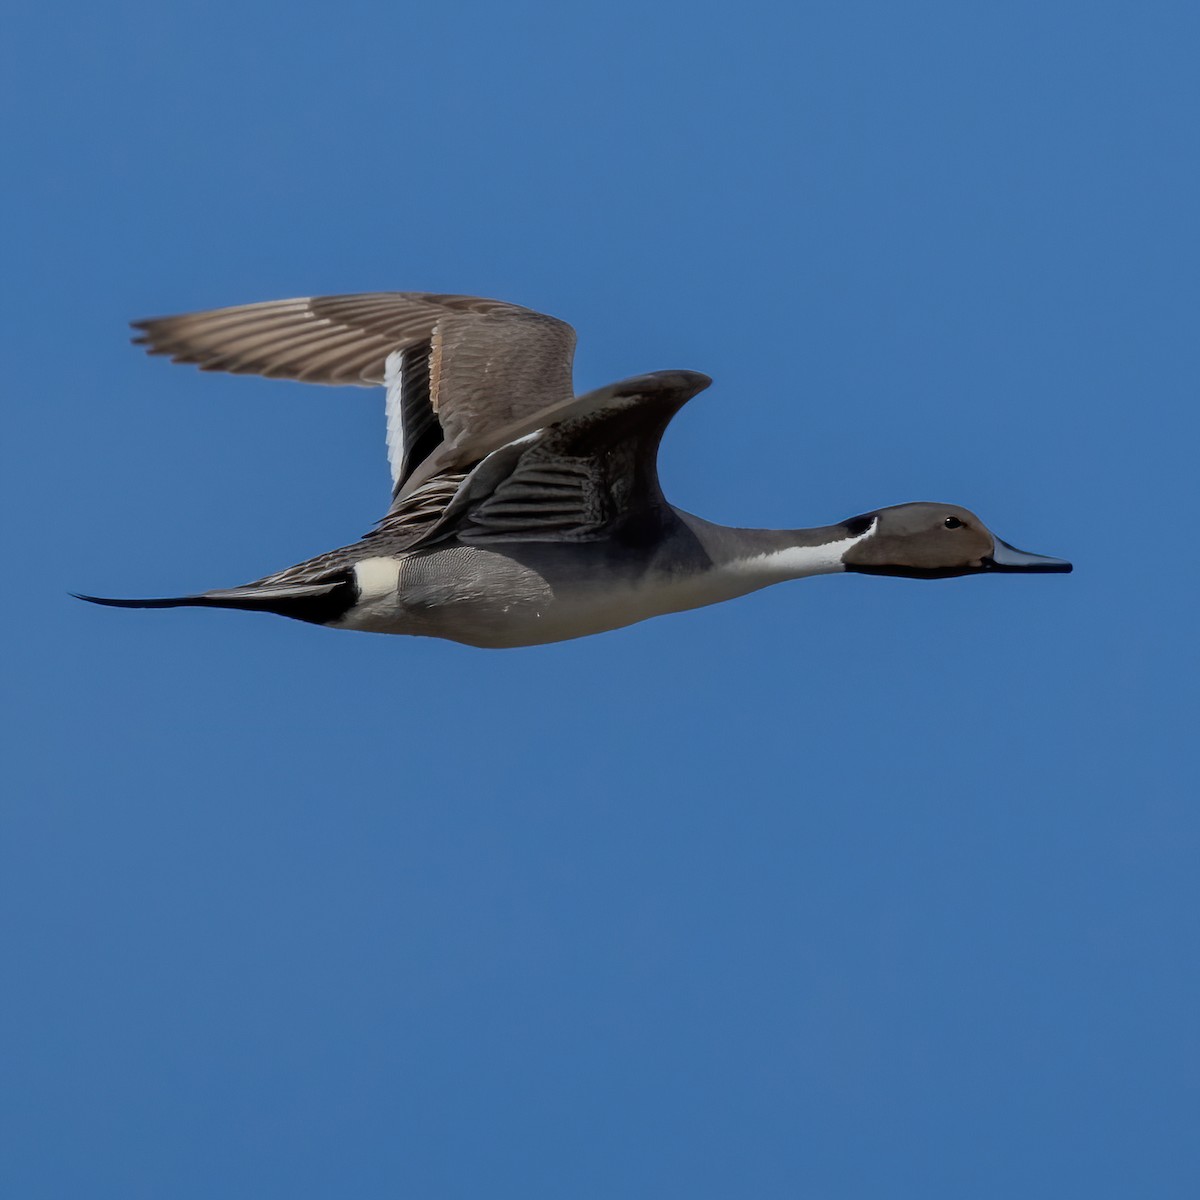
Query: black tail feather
x=319 y=603
x=161 y=602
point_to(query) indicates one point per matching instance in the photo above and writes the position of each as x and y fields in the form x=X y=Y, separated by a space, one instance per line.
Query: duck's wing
x=582 y=471
x=455 y=367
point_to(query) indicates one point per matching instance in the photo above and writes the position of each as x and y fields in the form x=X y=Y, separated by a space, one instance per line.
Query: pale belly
x=482 y=598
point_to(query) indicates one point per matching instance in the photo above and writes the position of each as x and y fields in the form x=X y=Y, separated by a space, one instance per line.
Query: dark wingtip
x=677 y=380
x=144 y=334
x=144 y=341
x=657 y=383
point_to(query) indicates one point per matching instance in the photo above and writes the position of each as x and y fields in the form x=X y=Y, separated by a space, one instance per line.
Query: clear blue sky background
x=853 y=888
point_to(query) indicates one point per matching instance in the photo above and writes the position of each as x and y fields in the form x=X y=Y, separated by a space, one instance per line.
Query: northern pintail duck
x=522 y=513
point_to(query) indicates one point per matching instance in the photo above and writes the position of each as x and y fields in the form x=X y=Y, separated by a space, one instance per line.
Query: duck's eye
x=952 y=523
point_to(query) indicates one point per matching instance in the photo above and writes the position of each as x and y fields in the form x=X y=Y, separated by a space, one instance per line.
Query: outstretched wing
x=590 y=474
x=454 y=366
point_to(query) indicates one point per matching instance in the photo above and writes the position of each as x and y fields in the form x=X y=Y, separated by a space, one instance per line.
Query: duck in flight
x=522 y=513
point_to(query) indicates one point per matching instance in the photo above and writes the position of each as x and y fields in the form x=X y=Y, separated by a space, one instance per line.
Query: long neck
x=767 y=556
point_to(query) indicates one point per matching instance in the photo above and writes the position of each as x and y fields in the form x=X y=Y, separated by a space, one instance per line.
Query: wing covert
x=591 y=474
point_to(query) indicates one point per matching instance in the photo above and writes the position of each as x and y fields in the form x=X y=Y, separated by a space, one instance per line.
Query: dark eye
x=952 y=523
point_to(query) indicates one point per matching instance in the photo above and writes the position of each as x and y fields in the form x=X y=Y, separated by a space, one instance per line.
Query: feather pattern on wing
x=589 y=475
x=466 y=366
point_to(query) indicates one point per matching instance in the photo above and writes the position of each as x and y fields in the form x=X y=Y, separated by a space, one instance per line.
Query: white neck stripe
x=798 y=562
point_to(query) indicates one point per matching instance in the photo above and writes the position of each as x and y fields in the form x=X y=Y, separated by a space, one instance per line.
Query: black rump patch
x=316 y=610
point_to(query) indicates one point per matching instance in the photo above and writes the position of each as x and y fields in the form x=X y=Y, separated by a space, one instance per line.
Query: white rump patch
x=378 y=602
x=377 y=578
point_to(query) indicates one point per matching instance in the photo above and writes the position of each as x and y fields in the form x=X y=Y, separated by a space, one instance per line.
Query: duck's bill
x=1009 y=558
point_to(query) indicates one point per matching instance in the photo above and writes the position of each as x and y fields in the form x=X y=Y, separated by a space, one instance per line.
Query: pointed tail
x=318 y=603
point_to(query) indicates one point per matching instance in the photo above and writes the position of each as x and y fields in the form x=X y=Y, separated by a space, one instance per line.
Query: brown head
x=935 y=541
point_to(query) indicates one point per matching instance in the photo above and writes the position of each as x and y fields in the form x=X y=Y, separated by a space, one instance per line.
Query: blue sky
x=856 y=887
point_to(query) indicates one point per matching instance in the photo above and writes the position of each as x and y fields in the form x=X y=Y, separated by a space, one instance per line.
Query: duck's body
x=555 y=591
x=521 y=513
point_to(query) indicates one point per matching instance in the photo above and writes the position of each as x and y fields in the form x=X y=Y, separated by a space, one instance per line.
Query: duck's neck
x=767 y=556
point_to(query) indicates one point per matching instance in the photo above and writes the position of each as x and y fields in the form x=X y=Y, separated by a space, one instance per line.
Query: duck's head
x=934 y=541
